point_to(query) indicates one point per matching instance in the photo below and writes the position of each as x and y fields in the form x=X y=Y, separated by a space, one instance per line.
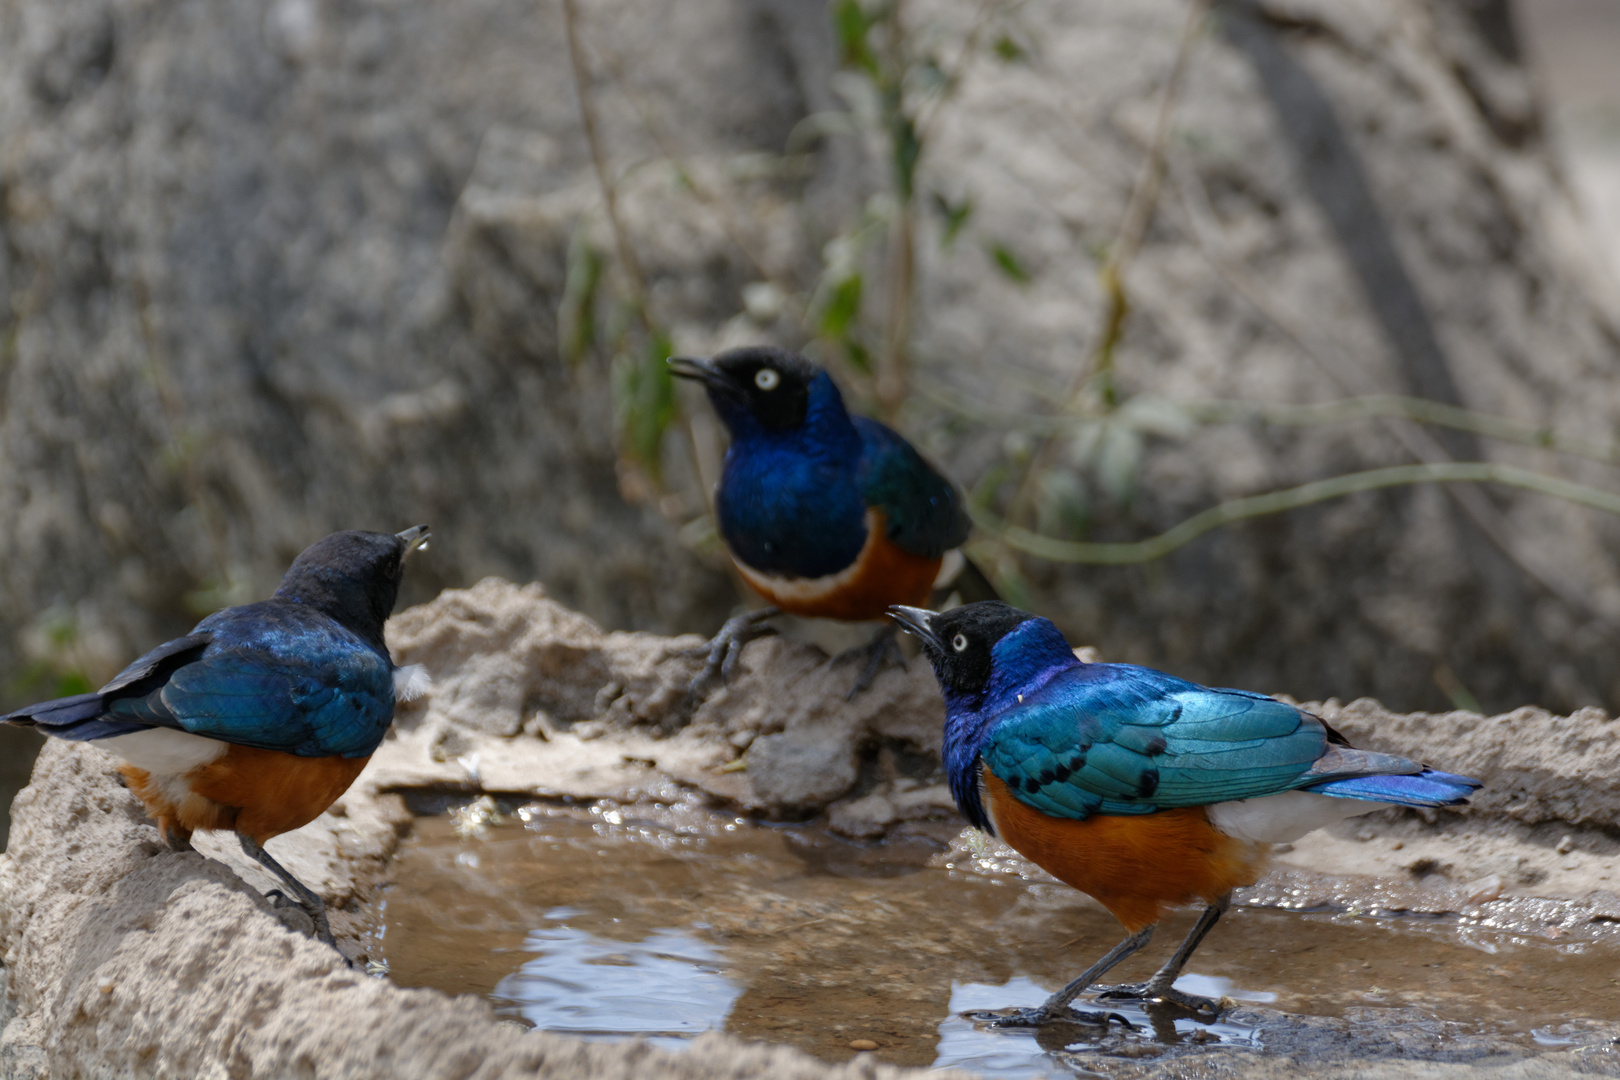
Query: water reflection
x=1023 y=1054
x=668 y=986
x=609 y=922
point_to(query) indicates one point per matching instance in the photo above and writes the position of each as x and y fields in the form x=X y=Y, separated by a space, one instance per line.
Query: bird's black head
x=769 y=385
x=353 y=577
x=961 y=643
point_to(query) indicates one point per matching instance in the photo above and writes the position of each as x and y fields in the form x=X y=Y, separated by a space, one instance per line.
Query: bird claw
x=723 y=652
x=320 y=929
x=880 y=652
x=1205 y=1009
x=1041 y=1016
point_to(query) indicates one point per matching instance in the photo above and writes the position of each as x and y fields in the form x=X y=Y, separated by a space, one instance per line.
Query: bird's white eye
x=767 y=378
x=959 y=642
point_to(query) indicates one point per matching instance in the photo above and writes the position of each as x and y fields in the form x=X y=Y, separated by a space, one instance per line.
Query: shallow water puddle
x=664 y=922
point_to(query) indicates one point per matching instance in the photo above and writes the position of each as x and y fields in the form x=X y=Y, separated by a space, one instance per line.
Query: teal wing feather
x=924 y=511
x=273 y=677
x=1119 y=740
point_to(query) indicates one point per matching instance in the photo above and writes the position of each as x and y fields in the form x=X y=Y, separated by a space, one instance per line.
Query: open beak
x=416 y=538
x=915 y=620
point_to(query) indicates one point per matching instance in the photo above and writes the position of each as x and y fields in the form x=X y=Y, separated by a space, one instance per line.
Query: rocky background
x=275 y=269
x=125 y=959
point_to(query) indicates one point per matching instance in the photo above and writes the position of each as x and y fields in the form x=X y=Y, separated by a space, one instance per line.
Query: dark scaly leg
x=1161 y=987
x=882 y=650
x=725 y=649
x=1056 y=1007
x=312 y=904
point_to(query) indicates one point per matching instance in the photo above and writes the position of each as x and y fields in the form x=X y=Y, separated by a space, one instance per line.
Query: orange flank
x=1134 y=866
x=882 y=574
x=258 y=793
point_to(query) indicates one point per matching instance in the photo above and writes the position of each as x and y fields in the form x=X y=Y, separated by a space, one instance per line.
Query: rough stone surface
x=531 y=697
x=273 y=269
x=123 y=959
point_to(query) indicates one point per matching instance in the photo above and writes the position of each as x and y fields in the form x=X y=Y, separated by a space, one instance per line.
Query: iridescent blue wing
x=301 y=686
x=923 y=509
x=1116 y=739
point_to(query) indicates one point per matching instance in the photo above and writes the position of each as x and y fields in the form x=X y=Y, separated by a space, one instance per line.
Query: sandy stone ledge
x=123 y=959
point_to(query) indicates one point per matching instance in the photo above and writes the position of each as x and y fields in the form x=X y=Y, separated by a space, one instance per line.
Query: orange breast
x=259 y=793
x=1133 y=866
x=881 y=575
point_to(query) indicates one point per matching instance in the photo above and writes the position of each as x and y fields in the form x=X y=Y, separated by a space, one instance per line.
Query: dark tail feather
x=79 y=718
x=1427 y=788
x=971 y=585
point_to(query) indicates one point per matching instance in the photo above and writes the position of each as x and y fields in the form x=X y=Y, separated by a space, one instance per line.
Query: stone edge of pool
x=121 y=958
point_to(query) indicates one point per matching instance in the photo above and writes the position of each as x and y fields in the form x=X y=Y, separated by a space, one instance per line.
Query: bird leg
x=883 y=649
x=725 y=649
x=175 y=836
x=307 y=899
x=1161 y=987
x=1056 y=1007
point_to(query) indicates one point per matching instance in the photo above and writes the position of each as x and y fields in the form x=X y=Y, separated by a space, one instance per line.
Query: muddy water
x=610 y=922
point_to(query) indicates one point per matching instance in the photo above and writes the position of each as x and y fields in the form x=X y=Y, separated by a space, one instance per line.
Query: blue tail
x=80 y=718
x=1427 y=788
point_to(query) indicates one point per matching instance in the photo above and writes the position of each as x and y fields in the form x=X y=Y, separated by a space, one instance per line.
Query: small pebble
x=1566 y=845
x=1397 y=845
x=862 y=1044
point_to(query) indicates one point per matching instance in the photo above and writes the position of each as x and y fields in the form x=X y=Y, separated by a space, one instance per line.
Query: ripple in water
x=1017 y=1053
x=668 y=986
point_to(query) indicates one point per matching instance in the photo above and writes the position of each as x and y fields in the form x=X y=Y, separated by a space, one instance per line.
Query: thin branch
x=1418 y=442
x=1418 y=410
x=1127 y=242
x=1144 y=200
x=587 y=118
x=988 y=10
x=1226 y=513
x=890 y=386
x=1308 y=414
x=716 y=206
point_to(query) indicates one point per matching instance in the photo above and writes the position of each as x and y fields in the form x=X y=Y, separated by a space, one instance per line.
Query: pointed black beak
x=693 y=367
x=703 y=371
x=914 y=620
x=416 y=538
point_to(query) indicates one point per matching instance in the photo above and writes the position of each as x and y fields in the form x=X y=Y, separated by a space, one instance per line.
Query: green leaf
x=852 y=23
x=1119 y=460
x=1008 y=263
x=644 y=399
x=1008 y=51
x=576 y=311
x=843 y=309
x=1062 y=505
x=929 y=77
x=859 y=357
x=955 y=215
x=907 y=150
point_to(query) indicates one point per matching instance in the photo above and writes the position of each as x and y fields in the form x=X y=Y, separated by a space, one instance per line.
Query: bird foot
x=880 y=652
x=319 y=928
x=1043 y=1015
x=724 y=650
x=1206 y=1010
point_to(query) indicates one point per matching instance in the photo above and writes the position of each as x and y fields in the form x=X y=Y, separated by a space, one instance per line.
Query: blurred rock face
x=276 y=269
